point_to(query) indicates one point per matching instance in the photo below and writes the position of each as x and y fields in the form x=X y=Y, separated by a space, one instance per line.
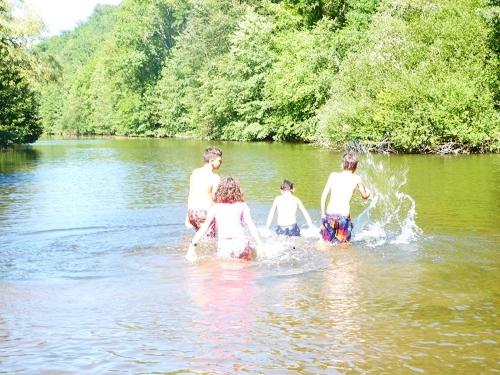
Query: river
x=93 y=277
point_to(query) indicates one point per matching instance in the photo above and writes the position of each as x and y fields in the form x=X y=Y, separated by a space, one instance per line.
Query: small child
x=230 y=212
x=336 y=226
x=287 y=205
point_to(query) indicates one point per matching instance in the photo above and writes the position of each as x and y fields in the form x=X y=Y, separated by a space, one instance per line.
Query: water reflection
x=313 y=320
x=224 y=291
x=18 y=159
x=15 y=177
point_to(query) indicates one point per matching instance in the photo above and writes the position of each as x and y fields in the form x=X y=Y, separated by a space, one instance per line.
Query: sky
x=60 y=15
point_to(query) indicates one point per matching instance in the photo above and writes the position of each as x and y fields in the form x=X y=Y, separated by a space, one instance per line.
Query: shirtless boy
x=336 y=225
x=286 y=205
x=202 y=186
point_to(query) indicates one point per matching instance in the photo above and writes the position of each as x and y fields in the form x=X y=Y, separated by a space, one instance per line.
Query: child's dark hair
x=228 y=191
x=286 y=185
x=350 y=161
x=211 y=153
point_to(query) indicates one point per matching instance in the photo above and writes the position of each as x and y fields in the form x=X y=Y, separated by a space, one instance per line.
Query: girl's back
x=229 y=218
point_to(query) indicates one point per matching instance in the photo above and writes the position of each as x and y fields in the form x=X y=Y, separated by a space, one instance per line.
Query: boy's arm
x=305 y=213
x=365 y=193
x=271 y=214
x=326 y=190
x=254 y=232
x=191 y=253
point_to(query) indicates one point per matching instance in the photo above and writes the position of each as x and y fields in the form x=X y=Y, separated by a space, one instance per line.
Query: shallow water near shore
x=93 y=276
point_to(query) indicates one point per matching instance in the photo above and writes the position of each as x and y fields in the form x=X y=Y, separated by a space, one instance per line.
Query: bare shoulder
x=196 y=172
x=332 y=176
x=194 y=176
x=279 y=200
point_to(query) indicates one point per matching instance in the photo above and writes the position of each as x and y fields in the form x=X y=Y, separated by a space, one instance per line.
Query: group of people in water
x=217 y=208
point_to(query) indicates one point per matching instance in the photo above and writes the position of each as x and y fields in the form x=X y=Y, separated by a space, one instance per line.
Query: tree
x=19 y=121
x=421 y=82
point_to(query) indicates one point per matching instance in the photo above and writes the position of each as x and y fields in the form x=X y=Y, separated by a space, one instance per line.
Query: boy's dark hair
x=286 y=185
x=211 y=153
x=350 y=161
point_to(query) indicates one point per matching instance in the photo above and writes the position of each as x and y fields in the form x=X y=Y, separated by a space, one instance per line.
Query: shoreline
x=383 y=148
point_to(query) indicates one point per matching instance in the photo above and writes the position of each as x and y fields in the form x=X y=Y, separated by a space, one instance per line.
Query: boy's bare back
x=202 y=186
x=336 y=226
x=286 y=206
x=341 y=187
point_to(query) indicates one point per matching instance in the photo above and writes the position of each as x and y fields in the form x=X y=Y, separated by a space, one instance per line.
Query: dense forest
x=19 y=108
x=398 y=75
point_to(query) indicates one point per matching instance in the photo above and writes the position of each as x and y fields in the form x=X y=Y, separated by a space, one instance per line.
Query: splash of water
x=390 y=216
x=291 y=255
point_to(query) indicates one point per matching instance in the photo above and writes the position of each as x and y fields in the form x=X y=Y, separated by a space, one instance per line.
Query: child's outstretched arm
x=365 y=193
x=191 y=253
x=253 y=229
x=305 y=213
x=271 y=215
x=187 y=224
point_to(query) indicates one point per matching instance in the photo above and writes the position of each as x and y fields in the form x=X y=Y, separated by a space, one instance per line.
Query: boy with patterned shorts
x=336 y=224
x=203 y=184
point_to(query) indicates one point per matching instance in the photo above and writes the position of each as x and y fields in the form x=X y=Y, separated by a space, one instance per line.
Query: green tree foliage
x=299 y=81
x=235 y=107
x=108 y=66
x=73 y=56
x=422 y=80
x=418 y=76
x=19 y=121
x=266 y=79
x=204 y=41
x=312 y=11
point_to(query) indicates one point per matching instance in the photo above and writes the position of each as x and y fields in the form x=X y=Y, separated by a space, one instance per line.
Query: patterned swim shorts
x=198 y=217
x=288 y=230
x=336 y=228
x=247 y=254
x=238 y=248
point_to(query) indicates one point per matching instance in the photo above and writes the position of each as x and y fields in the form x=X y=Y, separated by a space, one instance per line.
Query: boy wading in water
x=202 y=186
x=286 y=204
x=230 y=212
x=336 y=225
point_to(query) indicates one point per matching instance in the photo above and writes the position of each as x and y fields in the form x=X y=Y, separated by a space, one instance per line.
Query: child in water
x=286 y=204
x=202 y=186
x=336 y=224
x=230 y=212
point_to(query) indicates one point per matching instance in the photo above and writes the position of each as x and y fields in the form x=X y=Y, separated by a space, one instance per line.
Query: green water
x=93 y=276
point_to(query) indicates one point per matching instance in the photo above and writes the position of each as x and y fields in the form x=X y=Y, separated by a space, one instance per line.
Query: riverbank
x=384 y=147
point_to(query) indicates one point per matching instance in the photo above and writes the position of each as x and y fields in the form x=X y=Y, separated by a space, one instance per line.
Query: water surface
x=93 y=276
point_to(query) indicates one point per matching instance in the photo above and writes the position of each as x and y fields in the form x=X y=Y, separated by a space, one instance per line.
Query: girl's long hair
x=228 y=191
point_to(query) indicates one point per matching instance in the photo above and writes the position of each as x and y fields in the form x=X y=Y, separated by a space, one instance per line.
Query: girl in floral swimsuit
x=231 y=213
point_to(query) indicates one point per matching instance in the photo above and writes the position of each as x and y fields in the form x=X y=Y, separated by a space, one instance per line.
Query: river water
x=93 y=277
